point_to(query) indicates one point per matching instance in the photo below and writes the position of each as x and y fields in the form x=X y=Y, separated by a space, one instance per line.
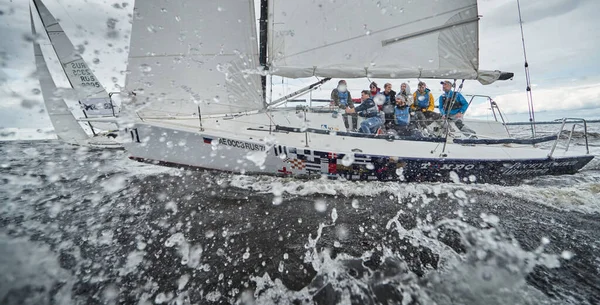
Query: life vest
x=448 y=99
x=343 y=96
x=424 y=102
x=402 y=116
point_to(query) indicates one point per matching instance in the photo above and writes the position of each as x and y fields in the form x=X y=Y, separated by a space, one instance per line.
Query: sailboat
x=84 y=86
x=197 y=75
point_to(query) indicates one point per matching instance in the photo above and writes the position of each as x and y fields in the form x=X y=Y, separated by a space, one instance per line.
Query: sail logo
x=242 y=145
x=285 y=33
x=454 y=167
x=535 y=168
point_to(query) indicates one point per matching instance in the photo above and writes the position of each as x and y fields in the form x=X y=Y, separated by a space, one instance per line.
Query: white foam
x=582 y=196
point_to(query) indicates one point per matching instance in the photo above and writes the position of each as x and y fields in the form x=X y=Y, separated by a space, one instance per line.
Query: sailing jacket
x=423 y=102
x=460 y=104
x=390 y=98
x=367 y=108
x=342 y=99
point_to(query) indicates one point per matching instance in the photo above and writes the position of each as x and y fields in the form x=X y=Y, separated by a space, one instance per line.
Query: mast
x=262 y=55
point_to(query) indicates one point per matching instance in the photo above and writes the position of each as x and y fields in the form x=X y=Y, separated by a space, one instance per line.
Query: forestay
x=382 y=39
x=80 y=76
x=189 y=53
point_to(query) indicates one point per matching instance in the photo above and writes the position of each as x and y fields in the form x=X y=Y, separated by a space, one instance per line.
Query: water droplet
x=280 y=267
x=114 y=79
x=348 y=56
x=355 y=204
x=96 y=61
x=400 y=173
x=36 y=91
x=221 y=68
x=368 y=32
x=163 y=10
x=246 y=256
x=29 y=104
x=220 y=9
x=334 y=214
x=320 y=206
x=348 y=159
x=566 y=254
x=177 y=18
x=145 y=68
x=336 y=244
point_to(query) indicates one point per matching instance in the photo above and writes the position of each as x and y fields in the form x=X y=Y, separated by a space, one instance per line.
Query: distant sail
x=190 y=53
x=80 y=75
x=380 y=39
x=65 y=125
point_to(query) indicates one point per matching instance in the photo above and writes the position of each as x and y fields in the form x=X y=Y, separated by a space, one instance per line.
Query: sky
x=562 y=39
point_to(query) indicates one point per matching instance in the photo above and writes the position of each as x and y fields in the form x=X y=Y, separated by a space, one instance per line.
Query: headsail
x=189 y=53
x=65 y=125
x=80 y=76
x=391 y=39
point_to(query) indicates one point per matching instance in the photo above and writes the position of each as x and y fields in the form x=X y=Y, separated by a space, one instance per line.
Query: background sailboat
x=85 y=88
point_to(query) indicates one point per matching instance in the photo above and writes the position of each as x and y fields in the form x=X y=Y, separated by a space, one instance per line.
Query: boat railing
x=582 y=123
x=495 y=108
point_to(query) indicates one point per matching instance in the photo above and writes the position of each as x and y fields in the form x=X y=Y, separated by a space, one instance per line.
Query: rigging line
x=67 y=12
x=527 y=76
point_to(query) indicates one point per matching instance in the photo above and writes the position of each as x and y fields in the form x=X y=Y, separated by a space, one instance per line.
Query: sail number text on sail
x=81 y=71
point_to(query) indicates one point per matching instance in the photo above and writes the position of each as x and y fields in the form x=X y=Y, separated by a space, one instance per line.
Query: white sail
x=188 y=53
x=379 y=39
x=80 y=76
x=65 y=125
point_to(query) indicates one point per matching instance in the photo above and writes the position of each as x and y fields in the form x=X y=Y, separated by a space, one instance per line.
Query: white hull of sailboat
x=231 y=147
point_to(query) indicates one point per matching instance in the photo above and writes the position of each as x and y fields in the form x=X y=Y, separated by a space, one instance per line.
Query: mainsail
x=190 y=54
x=80 y=76
x=379 y=39
x=65 y=125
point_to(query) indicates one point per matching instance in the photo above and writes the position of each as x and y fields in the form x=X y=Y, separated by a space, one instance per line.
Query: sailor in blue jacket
x=453 y=108
x=367 y=109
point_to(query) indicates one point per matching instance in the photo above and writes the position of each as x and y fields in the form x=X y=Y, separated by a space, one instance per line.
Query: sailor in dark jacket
x=368 y=109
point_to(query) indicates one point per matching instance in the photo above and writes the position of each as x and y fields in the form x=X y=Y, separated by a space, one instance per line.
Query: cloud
x=568 y=98
x=505 y=13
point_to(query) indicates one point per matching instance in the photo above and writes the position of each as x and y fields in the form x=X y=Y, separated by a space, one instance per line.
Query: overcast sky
x=562 y=39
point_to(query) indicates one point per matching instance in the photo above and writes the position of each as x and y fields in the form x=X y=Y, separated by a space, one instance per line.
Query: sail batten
x=398 y=39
